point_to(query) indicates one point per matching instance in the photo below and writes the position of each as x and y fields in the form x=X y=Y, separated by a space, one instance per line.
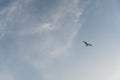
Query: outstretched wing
x=89 y=44
x=85 y=42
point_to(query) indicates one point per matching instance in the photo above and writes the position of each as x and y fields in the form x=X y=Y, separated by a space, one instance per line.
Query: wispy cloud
x=37 y=37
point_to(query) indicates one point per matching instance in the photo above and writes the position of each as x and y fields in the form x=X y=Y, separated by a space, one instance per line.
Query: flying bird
x=87 y=44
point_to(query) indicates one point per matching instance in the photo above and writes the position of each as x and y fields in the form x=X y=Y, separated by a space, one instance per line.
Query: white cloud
x=39 y=42
x=42 y=42
x=52 y=38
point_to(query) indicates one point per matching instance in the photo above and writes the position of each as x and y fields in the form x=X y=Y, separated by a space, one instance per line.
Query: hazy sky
x=42 y=39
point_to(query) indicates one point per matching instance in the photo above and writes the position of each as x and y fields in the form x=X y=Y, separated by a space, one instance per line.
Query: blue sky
x=42 y=39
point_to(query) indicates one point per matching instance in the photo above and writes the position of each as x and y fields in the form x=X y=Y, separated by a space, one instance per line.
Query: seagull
x=87 y=44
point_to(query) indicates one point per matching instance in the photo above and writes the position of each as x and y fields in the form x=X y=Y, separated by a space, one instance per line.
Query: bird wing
x=89 y=44
x=85 y=42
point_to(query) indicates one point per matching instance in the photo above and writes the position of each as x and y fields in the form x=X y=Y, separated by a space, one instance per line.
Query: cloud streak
x=38 y=34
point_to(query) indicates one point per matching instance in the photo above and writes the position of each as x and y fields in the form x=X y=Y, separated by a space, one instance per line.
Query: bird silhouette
x=87 y=44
